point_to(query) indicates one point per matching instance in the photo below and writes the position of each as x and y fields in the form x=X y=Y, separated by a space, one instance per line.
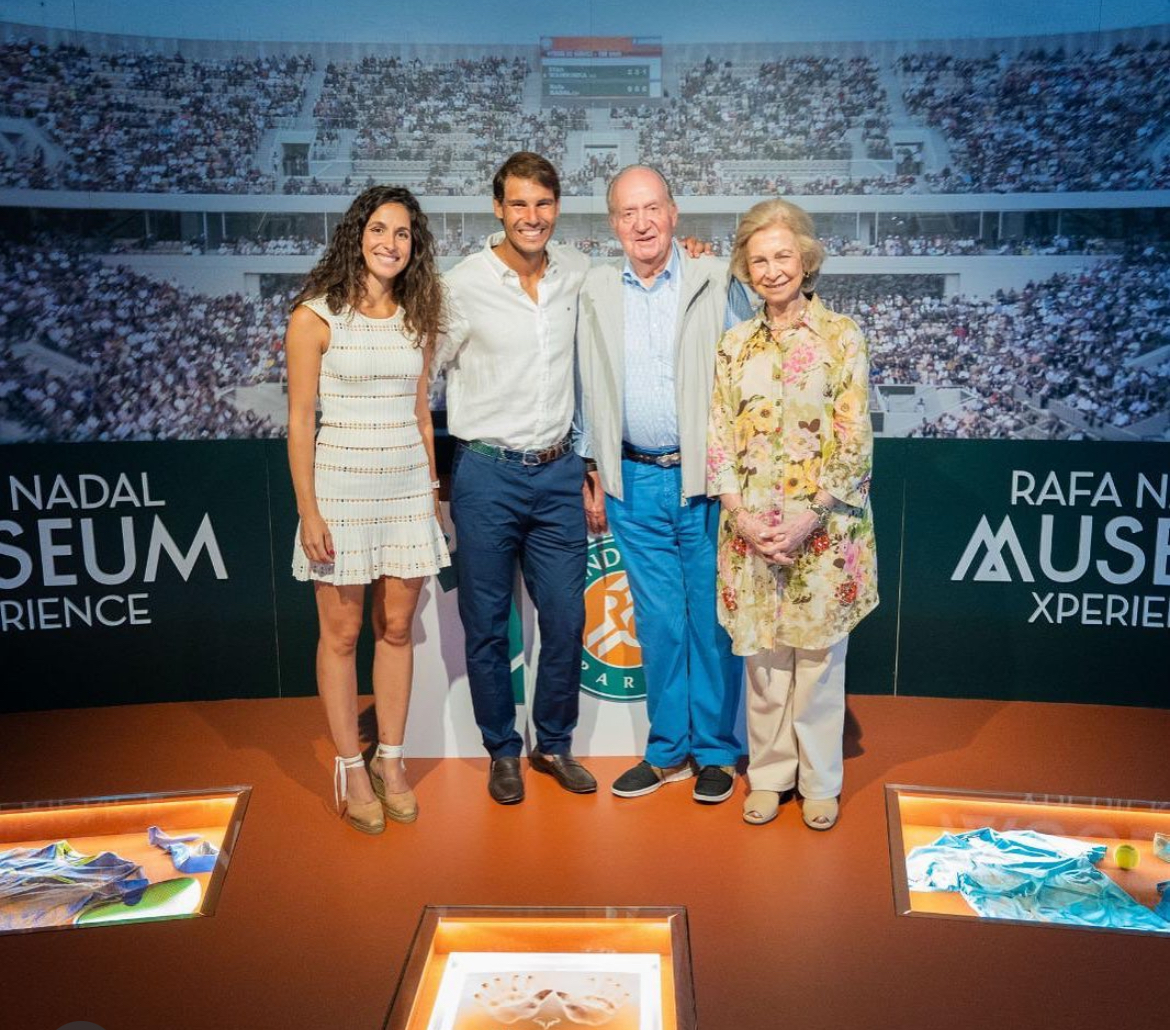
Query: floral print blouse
x=788 y=417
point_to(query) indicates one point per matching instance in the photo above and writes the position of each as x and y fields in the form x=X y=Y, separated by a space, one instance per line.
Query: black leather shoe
x=504 y=782
x=566 y=770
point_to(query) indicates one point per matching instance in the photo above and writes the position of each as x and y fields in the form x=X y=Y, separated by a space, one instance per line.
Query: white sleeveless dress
x=370 y=470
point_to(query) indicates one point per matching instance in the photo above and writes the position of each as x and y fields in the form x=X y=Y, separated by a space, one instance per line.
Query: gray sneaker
x=645 y=778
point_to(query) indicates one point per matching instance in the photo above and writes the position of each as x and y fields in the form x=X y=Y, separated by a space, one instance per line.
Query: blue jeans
x=506 y=511
x=693 y=681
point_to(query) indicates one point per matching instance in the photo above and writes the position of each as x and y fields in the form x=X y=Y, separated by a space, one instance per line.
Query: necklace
x=776 y=327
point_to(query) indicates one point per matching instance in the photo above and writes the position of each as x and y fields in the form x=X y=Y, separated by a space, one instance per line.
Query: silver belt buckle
x=534 y=455
x=666 y=461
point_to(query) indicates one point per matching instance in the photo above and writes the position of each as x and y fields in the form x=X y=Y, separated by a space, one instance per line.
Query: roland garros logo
x=611 y=660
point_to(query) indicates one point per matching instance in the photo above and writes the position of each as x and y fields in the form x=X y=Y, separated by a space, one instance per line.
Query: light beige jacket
x=601 y=366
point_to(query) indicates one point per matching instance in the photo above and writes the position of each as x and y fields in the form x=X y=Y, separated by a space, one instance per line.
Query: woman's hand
x=316 y=540
x=760 y=535
x=792 y=533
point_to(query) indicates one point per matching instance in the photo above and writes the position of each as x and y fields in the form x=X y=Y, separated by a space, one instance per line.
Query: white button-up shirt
x=508 y=358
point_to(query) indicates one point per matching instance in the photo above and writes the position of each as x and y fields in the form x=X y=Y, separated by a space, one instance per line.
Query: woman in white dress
x=360 y=340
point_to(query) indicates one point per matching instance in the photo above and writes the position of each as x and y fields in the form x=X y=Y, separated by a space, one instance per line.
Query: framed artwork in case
x=539 y=968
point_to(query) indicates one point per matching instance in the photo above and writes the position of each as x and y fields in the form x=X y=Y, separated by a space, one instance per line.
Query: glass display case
x=1090 y=863
x=95 y=861
x=536 y=968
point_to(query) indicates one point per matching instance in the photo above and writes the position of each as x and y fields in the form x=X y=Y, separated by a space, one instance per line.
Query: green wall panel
x=90 y=619
x=1008 y=553
x=871 y=663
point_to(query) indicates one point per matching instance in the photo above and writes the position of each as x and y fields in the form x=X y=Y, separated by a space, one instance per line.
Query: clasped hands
x=777 y=542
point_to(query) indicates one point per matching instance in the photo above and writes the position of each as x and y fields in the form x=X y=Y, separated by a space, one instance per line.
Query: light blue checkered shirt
x=650 y=418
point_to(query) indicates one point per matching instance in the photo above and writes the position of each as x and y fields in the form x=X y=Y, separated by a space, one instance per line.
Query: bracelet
x=734 y=514
x=435 y=484
x=820 y=511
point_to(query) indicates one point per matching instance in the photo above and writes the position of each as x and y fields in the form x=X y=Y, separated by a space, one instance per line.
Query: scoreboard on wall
x=601 y=67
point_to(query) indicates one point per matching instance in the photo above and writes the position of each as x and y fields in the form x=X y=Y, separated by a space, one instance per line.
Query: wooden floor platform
x=789 y=928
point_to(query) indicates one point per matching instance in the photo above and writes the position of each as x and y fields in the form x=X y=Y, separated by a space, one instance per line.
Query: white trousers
x=796 y=720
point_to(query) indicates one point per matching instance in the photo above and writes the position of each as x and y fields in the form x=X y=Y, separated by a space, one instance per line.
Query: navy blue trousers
x=506 y=512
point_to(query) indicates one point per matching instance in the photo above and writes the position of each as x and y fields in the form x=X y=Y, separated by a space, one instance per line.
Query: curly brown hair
x=340 y=275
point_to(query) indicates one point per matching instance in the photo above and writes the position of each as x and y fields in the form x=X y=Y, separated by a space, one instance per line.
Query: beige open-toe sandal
x=820 y=813
x=761 y=806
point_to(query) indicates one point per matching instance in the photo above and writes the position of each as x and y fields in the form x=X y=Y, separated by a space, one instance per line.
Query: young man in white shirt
x=516 y=482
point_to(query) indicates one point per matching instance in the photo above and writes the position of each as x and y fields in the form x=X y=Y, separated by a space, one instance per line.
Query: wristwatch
x=821 y=511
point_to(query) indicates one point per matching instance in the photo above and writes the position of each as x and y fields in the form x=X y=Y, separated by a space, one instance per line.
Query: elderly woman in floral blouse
x=790 y=449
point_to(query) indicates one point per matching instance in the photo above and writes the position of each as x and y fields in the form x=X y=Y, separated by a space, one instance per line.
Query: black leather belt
x=663 y=461
x=523 y=457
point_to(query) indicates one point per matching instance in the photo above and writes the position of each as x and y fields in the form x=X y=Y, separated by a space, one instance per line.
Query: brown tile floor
x=789 y=927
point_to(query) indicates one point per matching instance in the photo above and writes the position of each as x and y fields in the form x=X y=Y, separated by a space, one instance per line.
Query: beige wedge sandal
x=365 y=816
x=401 y=806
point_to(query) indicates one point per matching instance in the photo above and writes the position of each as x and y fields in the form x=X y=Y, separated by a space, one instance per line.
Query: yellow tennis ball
x=1126 y=856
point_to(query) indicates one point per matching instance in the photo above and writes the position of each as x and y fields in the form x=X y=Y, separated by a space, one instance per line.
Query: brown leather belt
x=523 y=457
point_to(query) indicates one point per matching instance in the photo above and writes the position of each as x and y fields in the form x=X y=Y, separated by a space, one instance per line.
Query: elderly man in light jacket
x=646 y=336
